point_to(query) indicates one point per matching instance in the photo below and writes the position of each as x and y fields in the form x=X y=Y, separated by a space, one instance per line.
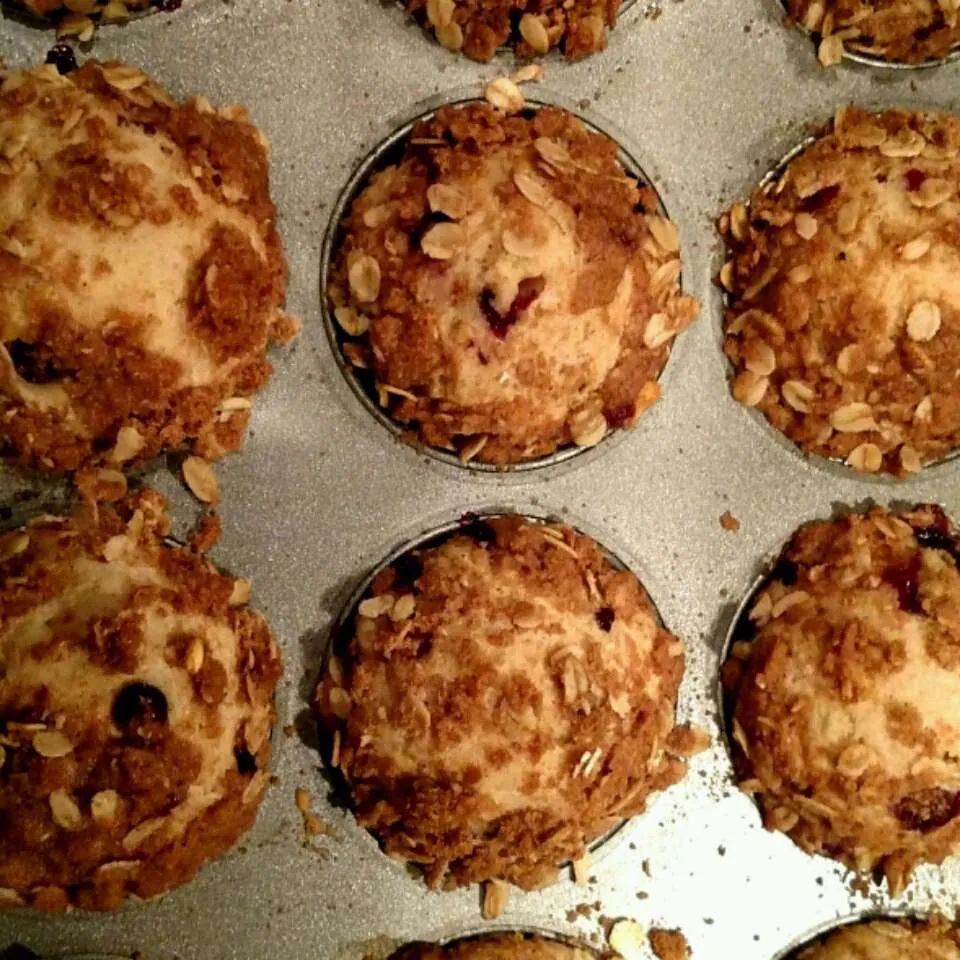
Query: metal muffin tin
x=713 y=92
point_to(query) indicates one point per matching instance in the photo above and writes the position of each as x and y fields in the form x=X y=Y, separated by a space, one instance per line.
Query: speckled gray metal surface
x=708 y=94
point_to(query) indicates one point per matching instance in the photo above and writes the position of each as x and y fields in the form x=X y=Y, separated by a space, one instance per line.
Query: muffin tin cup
x=833 y=464
x=341 y=633
x=812 y=937
x=387 y=152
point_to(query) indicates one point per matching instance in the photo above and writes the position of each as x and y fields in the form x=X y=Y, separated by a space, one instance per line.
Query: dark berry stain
x=139 y=709
x=616 y=417
x=604 y=617
x=820 y=199
x=168 y=6
x=914 y=179
x=30 y=363
x=246 y=761
x=928 y=810
x=528 y=291
x=61 y=55
x=785 y=571
x=472 y=526
x=407 y=570
x=905 y=579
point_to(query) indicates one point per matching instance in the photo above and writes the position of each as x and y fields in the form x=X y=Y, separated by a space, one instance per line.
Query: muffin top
x=904 y=31
x=501 y=699
x=511 y=289
x=843 y=321
x=479 y=27
x=136 y=701
x=888 y=940
x=141 y=276
x=80 y=19
x=503 y=946
x=846 y=701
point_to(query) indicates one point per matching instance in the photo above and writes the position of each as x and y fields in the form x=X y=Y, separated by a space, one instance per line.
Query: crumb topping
x=503 y=946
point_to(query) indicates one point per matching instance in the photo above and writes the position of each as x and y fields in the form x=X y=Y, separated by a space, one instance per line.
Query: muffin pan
x=708 y=95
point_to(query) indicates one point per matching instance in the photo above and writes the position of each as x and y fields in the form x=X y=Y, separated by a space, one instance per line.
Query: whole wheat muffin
x=79 y=18
x=500 y=699
x=888 y=940
x=141 y=275
x=501 y=946
x=511 y=290
x=136 y=701
x=843 y=321
x=902 y=31
x=532 y=27
x=844 y=689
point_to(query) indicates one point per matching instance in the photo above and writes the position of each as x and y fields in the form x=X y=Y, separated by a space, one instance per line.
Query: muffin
x=479 y=27
x=843 y=689
x=141 y=275
x=136 y=702
x=901 y=31
x=888 y=940
x=79 y=18
x=843 y=317
x=506 y=287
x=502 y=946
x=501 y=698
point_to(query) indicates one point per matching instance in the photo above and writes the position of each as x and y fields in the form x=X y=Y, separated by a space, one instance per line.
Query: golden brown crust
x=141 y=274
x=79 y=18
x=843 y=322
x=496 y=321
x=506 y=696
x=136 y=701
x=479 y=27
x=502 y=946
x=904 y=31
x=846 y=724
x=888 y=940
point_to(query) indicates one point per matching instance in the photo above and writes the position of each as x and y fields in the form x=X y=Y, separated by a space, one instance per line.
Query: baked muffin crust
x=479 y=27
x=503 y=946
x=888 y=940
x=141 y=274
x=903 y=31
x=80 y=19
x=136 y=701
x=843 y=321
x=501 y=699
x=844 y=702
x=508 y=287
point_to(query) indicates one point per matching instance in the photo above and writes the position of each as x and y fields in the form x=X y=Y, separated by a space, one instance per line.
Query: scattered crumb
x=646 y=868
x=729 y=522
x=627 y=938
x=313 y=826
x=581 y=869
x=688 y=740
x=495 y=896
x=289 y=730
x=669 y=945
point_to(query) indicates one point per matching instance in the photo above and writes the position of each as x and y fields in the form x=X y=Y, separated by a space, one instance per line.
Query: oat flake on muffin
x=845 y=692
x=888 y=940
x=141 y=275
x=843 y=318
x=900 y=31
x=500 y=700
x=508 y=286
x=136 y=702
x=533 y=27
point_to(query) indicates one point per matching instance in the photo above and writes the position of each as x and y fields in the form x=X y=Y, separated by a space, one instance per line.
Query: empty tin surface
x=706 y=95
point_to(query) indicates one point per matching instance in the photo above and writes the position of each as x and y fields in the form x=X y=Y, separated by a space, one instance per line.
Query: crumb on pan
x=669 y=945
x=478 y=28
x=142 y=284
x=136 y=702
x=903 y=31
x=843 y=685
x=843 y=320
x=501 y=699
x=729 y=522
x=506 y=289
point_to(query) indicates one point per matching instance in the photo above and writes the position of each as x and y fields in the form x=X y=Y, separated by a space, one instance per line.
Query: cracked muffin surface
x=843 y=691
x=136 y=702
x=506 y=288
x=532 y=27
x=843 y=318
x=901 y=31
x=501 y=699
x=506 y=946
x=141 y=274
x=888 y=940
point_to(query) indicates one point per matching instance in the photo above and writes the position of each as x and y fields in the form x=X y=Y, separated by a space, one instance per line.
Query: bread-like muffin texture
x=141 y=274
x=843 y=320
x=501 y=699
x=844 y=691
x=507 y=286
x=136 y=703
x=501 y=946
x=79 y=18
x=900 y=31
x=888 y=940
x=532 y=27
